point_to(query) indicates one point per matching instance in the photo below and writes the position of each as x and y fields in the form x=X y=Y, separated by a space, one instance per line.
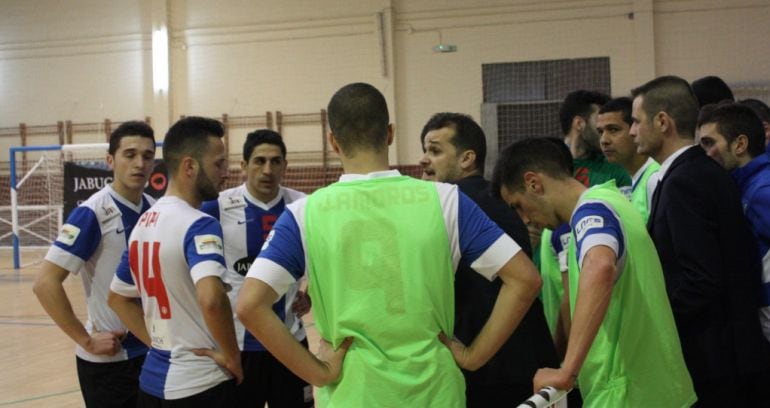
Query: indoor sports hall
x=72 y=72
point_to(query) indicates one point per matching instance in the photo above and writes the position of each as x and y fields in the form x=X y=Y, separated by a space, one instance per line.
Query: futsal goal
x=33 y=207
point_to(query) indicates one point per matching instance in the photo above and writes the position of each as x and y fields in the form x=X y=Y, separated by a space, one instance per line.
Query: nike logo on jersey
x=240 y=222
x=119 y=231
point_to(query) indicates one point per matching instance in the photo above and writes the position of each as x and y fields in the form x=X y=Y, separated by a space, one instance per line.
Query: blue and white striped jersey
x=90 y=244
x=246 y=222
x=172 y=247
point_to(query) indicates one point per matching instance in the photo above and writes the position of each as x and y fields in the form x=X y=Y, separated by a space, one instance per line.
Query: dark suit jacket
x=530 y=347
x=712 y=278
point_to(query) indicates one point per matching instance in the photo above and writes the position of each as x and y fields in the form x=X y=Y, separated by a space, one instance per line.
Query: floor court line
x=39 y=397
x=27 y=324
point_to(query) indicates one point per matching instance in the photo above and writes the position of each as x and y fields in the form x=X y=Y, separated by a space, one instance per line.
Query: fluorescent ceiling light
x=160 y=60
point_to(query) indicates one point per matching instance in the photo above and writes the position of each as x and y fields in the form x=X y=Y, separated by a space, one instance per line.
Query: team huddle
x=620 y=261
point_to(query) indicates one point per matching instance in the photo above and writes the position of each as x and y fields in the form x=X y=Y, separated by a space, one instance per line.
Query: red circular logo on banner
x=158 y=181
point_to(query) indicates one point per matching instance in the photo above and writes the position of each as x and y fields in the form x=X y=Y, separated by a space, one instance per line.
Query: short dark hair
x=545 y=155
x=760 y=108
x=130 y=128
x=733 y=120
x=622 y=105
x=262 y=136
x=358 y=117
x=711 y=89
x=578 y=103
x=674 y=96
x=468 y=134
x=189 y=137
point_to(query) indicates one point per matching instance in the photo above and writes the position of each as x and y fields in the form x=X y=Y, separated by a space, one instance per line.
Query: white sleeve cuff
x=123 y=289
x=274 y=275
x=495 y=257
x=63 y=259
x=596 y=240
x=208 y=268
x=563 y=262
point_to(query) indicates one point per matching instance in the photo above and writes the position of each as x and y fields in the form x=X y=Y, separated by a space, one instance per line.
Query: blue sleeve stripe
x=476 y=231
x=124 y=270
x=88 y=238
x=583 y=225
x=203 y=226
x=284 y=245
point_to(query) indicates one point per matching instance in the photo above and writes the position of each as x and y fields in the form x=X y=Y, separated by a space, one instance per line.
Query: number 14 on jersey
x=144 y=260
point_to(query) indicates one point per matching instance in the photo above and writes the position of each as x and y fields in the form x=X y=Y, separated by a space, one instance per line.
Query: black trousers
x=223 y=395
x=743 y=391
x=266 y=380
x=109 y=384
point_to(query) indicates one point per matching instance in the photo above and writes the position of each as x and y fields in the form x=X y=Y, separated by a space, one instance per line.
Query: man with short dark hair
x=733 y=136
x=175 y=264
x=247 y=214
x=623 y=346
x=706 y=248
x=618 y=146
x=454 y=149
x=90 y=244
x=763 y=113
x=577 y=115
x=711 y=89
x=380 y=251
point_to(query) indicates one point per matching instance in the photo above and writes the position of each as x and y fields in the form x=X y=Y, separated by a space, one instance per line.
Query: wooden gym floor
x=37 y=366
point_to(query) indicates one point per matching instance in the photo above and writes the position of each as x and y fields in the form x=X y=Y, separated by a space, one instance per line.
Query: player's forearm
x=521 y=283
x=276 y=337
x=131 y=314
x=593 y=299
x=561 y=333
x=218 y=315
x=51 y=295
x=564 y=315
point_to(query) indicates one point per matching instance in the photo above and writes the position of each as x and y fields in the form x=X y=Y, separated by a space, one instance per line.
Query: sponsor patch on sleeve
x=68 y=234
x=586 y=223
x=208 y=245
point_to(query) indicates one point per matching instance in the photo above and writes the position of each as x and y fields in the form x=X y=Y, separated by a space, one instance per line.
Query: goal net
x=44 y=183
x=32 y=208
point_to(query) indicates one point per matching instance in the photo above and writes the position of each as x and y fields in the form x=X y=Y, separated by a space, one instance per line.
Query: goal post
x=16 y=184
x=41 y=188
x=42 y=192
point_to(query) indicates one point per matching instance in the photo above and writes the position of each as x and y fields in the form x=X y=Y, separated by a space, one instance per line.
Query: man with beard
x=175 y=264
x=578 y=115
x=454 y=151
x=732 y=135
x=90 y=245
x=247 y=214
